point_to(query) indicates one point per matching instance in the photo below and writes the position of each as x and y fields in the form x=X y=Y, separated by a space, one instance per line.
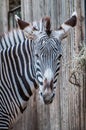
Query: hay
x=80 y=62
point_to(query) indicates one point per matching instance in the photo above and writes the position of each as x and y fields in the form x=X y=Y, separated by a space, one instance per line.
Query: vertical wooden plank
x=64 y=87
x=26 y=10
x=84 y=99
x=81 y=37
x=4 y=8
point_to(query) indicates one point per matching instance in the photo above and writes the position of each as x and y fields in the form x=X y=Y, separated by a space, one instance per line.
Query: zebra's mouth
x=48 y=99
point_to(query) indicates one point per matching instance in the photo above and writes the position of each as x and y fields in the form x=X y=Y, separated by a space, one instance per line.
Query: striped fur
x=22 y=67
x=17 y=81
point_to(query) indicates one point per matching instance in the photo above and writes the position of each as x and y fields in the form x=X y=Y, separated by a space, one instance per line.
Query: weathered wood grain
x=4 y=7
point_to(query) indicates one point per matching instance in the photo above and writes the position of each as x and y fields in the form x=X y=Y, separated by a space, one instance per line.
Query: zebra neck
x=27 y=75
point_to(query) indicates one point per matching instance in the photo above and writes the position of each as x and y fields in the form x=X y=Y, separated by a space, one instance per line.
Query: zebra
x=29 y=59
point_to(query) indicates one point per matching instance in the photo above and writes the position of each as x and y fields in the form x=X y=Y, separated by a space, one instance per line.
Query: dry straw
x=80 y=63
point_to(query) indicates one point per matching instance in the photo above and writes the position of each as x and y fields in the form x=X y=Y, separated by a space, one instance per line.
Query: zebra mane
x=11 y=38
x=47 y=24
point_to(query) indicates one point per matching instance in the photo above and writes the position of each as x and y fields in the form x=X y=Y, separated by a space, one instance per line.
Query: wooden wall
x=68 y=111
x=4 y=7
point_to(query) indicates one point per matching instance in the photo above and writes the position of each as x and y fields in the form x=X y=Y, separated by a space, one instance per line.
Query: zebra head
x=46 y=52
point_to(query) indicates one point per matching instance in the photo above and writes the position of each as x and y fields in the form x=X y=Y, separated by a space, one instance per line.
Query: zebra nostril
x=41 y=94
x=53 y=95
x=51 y=84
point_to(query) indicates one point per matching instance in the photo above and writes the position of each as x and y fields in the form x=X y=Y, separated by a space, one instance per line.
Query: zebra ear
x=26 y=27
x=67 y=25
x=22 y=24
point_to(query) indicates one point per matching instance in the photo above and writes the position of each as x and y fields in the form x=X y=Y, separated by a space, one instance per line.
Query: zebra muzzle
x=48 y=98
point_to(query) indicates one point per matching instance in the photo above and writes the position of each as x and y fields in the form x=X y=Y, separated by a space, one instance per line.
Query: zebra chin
x=48 y=99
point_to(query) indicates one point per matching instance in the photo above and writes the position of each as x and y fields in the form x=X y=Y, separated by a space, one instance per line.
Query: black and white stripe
x=22 y=63
x=48 y=55
x=17 y=78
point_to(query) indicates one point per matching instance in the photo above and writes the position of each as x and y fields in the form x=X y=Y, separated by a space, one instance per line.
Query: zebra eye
x=37 y=55
x=59 y=57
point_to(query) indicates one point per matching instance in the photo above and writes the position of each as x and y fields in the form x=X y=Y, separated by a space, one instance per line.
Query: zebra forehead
x=49 y=44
